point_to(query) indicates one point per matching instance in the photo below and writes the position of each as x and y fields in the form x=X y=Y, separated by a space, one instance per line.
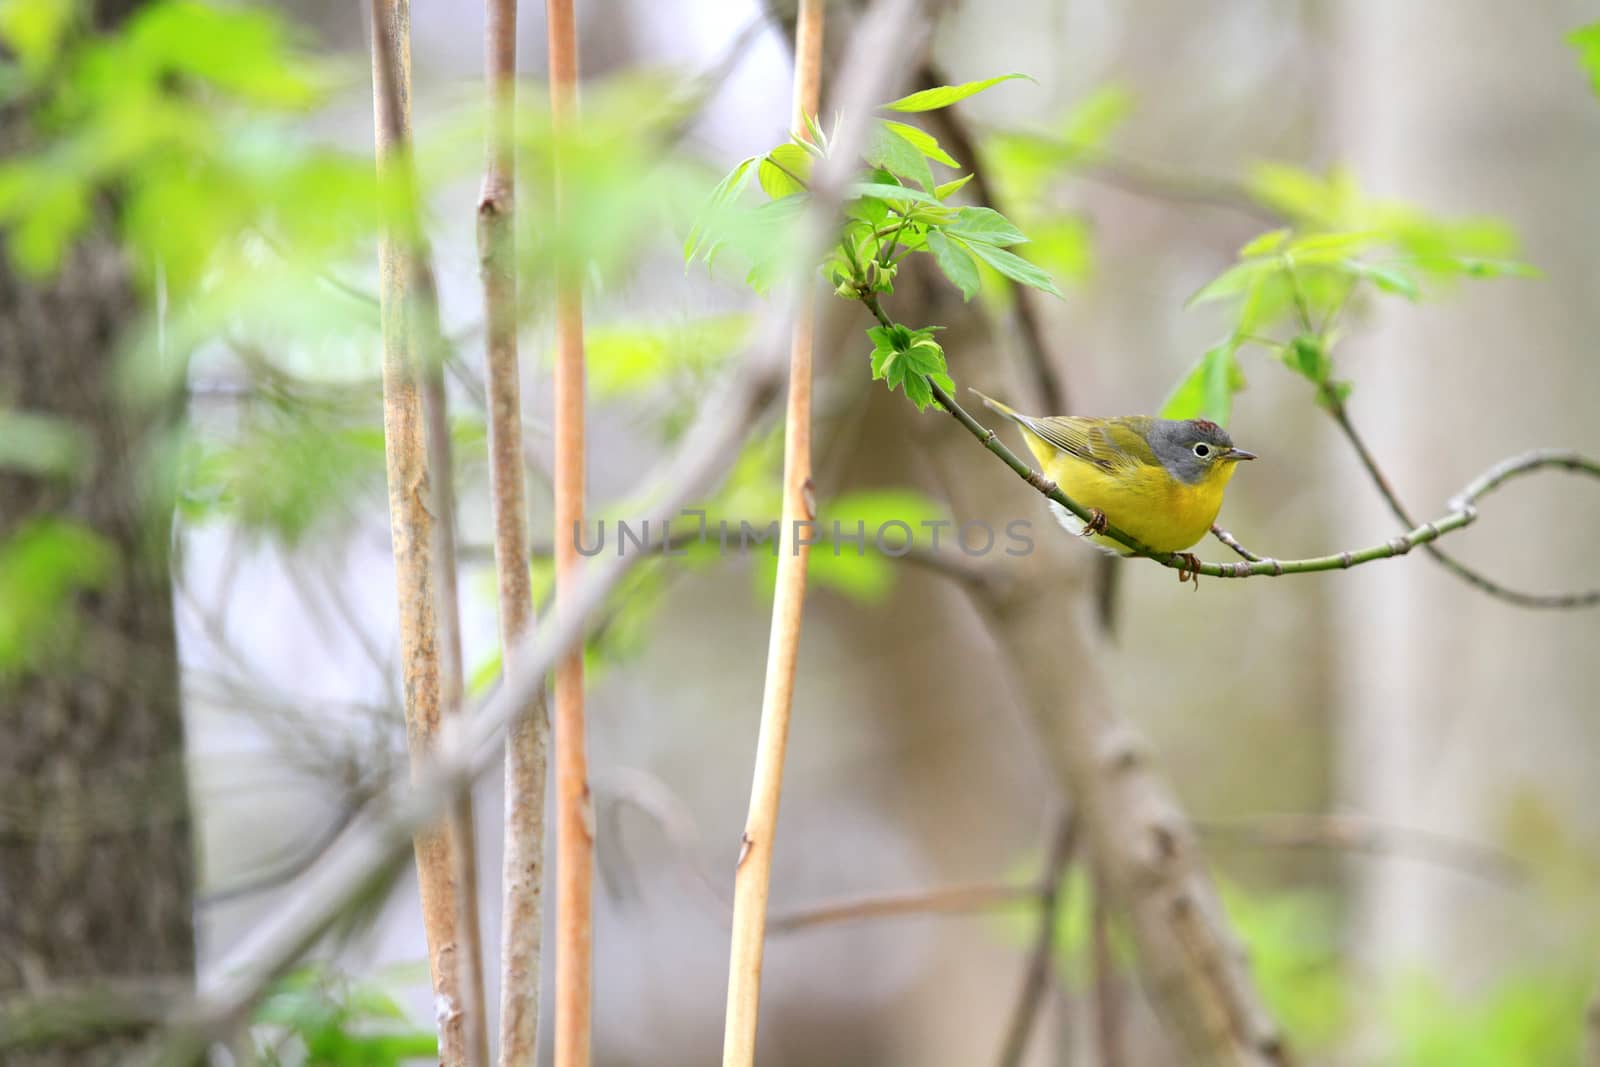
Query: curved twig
x=1557 y=601
x=950 y=900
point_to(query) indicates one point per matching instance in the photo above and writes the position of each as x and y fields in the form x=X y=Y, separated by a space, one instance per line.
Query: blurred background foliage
x=231 y=145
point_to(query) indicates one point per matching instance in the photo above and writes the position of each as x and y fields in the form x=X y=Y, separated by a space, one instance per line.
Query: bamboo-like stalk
x=752 y=879
x=415 y=440
x=463 y=833
x=574 y=813
x=527 y=739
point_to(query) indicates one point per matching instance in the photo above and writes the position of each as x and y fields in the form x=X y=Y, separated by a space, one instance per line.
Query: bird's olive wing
x=1110 y=444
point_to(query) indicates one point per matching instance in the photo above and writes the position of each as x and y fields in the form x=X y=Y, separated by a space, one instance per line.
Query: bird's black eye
x=1202 y=450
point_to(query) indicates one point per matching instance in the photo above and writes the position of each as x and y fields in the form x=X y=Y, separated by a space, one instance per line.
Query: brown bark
x=527 y=739
x=96 y=856
x=422 y=554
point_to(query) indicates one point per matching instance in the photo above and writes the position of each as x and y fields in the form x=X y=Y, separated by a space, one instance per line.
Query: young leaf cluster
x=907 y=360
x=1291 y=286
x=898 y=206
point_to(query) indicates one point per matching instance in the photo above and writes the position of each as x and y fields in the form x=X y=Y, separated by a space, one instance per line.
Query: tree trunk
x=96 y=857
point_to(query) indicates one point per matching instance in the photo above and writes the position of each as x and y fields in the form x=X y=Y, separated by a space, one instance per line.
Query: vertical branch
x=752 y=879
x=1036 y=978
x=522 y=874
x=574 y=814
x=463 y=834
x=415 y=439
x=1107 y=1003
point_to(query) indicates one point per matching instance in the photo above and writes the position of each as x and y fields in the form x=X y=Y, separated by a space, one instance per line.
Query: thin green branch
x=1462 y=511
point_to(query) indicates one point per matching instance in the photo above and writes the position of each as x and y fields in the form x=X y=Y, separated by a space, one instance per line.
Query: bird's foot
x=1095 y=525
x=1190 y=571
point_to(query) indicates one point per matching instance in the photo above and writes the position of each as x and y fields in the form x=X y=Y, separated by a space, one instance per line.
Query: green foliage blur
x=186 y=132
x=319 y=1017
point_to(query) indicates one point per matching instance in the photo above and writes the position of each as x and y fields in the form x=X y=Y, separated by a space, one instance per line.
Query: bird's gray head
x=1192 y=448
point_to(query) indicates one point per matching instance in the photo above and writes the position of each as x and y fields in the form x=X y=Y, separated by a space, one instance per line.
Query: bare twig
x=1036 y=977
x=947 y=900
x=630 y=787
x=754 y=871
x=287 y=871
x=1228 y=539
x=1586 y=599
x=522 y=871
x=1355 y=833
x=1150 y=180
x=411 y=342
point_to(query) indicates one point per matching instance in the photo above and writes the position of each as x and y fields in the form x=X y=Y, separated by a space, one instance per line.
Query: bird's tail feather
x=1004 y=409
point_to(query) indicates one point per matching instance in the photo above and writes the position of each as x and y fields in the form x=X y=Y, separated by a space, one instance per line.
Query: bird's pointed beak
x=1237 y=454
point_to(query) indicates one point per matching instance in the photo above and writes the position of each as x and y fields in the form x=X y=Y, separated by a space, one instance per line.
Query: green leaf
x=34 y=28
x=1013 y=266
x=943 y=191
x=240 y=50
x=1586 y=39
x=894 y=194
x=43 y=565
x=1207 y=390
x=723 y=193
x=881 y=357
x=887 y=149
x=1328 y=247
x=985 y=225
x=1478 y=267
x=917 y=391
x=784 y=171
x=923 y=141
x=925 y=358
x=1389 y=279
x=1264 y=243
x=945 y=95
x=1233 y=281
x=956 y=263
x=1306 y=356
x=895 y=372
x=885 y=336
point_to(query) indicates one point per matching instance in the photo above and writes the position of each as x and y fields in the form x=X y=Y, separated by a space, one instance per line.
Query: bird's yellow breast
x=1145 y=501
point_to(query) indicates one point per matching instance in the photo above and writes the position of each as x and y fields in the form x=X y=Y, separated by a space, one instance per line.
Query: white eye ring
x=1202 y=450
